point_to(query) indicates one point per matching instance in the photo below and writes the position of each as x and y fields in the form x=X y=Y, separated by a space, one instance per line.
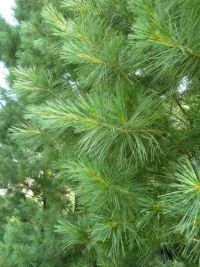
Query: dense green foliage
x=100 y=134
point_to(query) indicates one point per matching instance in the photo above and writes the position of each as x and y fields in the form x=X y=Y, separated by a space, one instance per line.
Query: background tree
x=27 y=224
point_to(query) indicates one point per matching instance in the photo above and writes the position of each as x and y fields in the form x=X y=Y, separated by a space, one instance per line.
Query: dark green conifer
x=108 y=131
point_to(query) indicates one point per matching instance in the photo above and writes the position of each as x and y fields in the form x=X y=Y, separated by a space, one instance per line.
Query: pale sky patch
x=3 y=74
x=6 y=10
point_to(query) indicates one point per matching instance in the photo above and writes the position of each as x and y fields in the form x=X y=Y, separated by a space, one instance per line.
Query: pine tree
x=27 y=224
x=110 y=104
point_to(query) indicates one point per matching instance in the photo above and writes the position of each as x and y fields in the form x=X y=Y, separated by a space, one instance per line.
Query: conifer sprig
x=131 y=133
x=184 y=187
x=160 y=31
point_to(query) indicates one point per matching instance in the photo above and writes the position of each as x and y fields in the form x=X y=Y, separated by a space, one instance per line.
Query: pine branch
x=102 y=129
